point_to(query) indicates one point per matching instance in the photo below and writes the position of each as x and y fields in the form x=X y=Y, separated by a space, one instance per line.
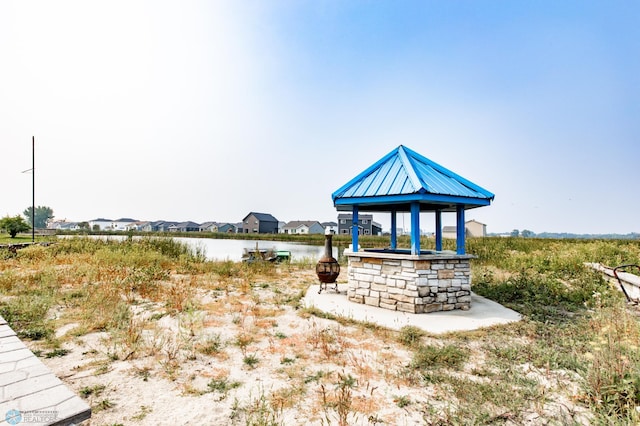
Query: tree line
x=525 y=233
x=14 y=225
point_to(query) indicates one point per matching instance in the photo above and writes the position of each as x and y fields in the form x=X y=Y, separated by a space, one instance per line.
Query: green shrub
x=542 y=297
x=410 y=335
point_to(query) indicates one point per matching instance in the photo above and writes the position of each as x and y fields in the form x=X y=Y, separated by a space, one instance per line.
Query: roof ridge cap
x=409 y=168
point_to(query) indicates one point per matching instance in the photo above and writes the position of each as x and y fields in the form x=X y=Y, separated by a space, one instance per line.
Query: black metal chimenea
x=327 y=267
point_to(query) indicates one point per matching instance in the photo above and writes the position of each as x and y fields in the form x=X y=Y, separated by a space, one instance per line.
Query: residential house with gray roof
x=209 y=227
x=331 y=227
x=303 y=227
x=229 y=228
x=185 y=227
x=259 y=223
x=366 y=225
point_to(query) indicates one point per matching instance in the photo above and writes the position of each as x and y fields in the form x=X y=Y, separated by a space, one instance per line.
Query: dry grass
x=157 y=327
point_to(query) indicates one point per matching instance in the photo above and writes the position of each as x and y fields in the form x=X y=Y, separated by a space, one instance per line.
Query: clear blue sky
x=206 y=110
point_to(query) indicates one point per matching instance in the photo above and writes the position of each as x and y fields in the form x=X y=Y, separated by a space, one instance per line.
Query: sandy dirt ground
x=251 y=357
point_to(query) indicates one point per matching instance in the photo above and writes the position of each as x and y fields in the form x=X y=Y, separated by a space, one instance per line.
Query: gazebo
x=412 y=280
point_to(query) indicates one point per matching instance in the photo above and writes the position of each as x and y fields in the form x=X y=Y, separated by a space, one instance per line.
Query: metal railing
x=623 y=268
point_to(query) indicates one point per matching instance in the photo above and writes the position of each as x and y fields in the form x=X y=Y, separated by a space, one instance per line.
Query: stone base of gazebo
x=410 y=283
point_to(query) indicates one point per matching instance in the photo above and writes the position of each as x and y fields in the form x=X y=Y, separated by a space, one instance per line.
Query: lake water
x=233 y=249
x=215 y=249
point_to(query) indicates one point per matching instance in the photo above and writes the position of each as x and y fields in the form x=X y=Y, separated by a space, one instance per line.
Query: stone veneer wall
x=426 y=284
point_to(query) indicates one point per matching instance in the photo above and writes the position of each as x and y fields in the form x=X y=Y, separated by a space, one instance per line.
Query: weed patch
x=27 y=316
x=427 y=357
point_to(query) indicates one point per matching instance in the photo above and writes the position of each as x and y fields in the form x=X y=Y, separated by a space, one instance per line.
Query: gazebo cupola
x=405 y=181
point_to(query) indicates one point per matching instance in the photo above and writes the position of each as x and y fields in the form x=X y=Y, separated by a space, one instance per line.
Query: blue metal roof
x=404 y=176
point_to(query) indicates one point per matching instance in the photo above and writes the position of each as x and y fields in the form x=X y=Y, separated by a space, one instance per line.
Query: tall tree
x=14 y=225
x=43 y=214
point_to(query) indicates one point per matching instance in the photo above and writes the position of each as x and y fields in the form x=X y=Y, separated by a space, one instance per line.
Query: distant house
x=137 y=226
x=331 y=227
x=144 y=226
x=100 y=224
x=63 y=225
x=259 y=223
x=123 y=224
x=163 y=225
x=366 y=225
x=228 y=228
x=475 y=228
x=449 y=232
x=209 y=227
x=303 y=227
x=239 y=228
x=59 y=224
x=71 y=226
x=185 y=227
x=472 y=228
x=155 y=226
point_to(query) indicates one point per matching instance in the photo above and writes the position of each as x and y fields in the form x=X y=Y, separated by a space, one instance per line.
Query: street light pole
x=33 y=189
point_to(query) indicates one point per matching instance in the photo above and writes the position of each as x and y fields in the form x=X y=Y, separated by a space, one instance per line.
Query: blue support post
x=354 y=229
x=415 y=227
x=438 y=230
x=394 y=235
x=460 y=229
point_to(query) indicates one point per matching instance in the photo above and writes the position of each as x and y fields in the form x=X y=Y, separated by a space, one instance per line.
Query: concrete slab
x=29 y=391
x=483 y=313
